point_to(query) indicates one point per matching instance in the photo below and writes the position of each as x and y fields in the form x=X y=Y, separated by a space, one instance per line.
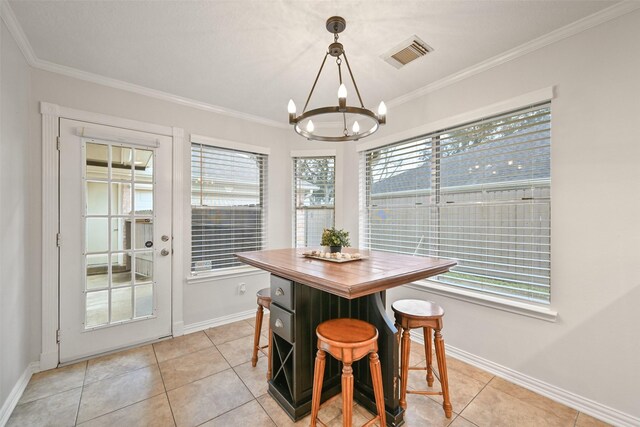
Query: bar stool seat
x=264 y=301
x=347 y=340
x=411 y=314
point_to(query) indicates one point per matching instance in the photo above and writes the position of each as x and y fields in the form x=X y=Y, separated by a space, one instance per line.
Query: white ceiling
x=252 y=56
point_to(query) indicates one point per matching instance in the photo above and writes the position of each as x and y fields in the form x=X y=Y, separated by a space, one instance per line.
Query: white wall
x=594 y=347
x=210 y=299
x=17 y=216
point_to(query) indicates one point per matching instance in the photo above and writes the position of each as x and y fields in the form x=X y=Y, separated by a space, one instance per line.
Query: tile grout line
x=265 y=409
x=166 y=393
x=84 y=378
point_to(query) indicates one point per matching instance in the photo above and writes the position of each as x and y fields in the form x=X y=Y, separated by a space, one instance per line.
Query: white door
x=115 y=238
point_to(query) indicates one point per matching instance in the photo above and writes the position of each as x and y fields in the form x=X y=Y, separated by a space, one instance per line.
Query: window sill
x=208 y=276
x=505 y=304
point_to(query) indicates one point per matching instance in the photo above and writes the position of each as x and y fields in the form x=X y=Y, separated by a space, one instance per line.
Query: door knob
x=165 y=238
x=164 y=252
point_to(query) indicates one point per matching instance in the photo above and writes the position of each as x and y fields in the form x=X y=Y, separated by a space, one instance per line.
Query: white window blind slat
x=228 y=205
x=478 y=193
x=313 y=198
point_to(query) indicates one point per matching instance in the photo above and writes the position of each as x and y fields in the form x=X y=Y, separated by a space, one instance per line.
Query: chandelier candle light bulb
x=329 y=132
x=382 y=113
x=342 y=97
x=291 y=107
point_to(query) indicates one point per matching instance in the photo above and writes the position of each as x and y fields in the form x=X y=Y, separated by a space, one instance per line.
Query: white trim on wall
x=557 y=35
x=314 y=153
x=50 y=121
x=51 y=115
x=571 y=29
x=177 y=237
x=16 y=392
x=218 y=321
x=572 y=400
x=529 y=98
x=232 y=145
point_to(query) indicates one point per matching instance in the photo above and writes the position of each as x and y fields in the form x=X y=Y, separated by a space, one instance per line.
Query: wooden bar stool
x=410 y=314
x=264 y=301
x=347 y=340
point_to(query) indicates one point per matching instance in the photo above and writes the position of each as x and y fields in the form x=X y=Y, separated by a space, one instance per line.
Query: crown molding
x=569 y=30
x=18 y=34
x=15 y=29
x=153 y=93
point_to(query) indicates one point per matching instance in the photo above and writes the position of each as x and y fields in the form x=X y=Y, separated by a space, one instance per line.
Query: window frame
x=543 y=311
x=195 y=277
x=311 y=154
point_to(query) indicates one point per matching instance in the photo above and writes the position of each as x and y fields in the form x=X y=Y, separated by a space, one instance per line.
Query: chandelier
x=344 y=125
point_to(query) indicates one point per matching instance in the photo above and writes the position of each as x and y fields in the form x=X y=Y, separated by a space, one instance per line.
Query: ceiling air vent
x=406 y=52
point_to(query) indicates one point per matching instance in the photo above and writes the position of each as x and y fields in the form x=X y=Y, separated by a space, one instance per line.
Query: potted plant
x=335 y=239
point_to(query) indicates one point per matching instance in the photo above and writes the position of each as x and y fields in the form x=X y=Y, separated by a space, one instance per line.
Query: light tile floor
x=206 y=379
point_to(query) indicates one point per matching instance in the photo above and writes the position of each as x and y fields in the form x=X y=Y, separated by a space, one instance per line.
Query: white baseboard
x=16 y=392
x=218 y=321
x=48 y=360
x=178 y=329
x=570 y=399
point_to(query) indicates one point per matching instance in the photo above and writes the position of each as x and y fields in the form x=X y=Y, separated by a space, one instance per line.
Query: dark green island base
x=296 y=311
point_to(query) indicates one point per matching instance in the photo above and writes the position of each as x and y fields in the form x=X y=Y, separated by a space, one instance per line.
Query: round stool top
x=347 y=332
x=264 y=298
x=264 y=293
x=417 y=308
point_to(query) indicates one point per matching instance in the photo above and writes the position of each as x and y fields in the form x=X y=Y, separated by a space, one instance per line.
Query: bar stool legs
x=413 y=314
x=264 y=301
x=347 y=394
x=347 y=340
x=376 y=376
x=442 y=369
x=256 y=335
x=318 y=377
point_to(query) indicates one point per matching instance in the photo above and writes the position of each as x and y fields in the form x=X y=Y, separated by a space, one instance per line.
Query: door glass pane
x=144 y=166
x=97 y=160
x=97 y=272
x=144 y=234
x=144 y=267
x=144 y=199
x=121 y=163
x=144 y=300
x=97 y=235
x=97 y=198
x=121 y=269
x=120 y=234
x=121 y=304
x=121 y=197
x=97 y=308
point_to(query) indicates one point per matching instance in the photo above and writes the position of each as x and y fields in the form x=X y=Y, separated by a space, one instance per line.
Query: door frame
x=51 y=115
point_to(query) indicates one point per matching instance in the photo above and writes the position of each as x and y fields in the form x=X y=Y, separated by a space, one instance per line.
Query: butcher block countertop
x=377 y=272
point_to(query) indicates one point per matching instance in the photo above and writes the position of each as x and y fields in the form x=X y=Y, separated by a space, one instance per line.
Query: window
x=478 y=193
x=313 y=198
x=228 y=205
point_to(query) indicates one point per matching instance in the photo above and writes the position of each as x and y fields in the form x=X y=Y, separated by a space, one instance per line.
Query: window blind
x=313 y=198
x=478 y=193
x=228 y=205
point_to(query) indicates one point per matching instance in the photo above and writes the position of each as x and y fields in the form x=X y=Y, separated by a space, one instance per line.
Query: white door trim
x=51 y=113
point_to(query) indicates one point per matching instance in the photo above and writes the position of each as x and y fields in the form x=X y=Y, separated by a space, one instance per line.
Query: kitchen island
x=306 y=292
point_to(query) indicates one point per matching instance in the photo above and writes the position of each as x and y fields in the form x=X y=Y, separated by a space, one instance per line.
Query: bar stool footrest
x=425 y=392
